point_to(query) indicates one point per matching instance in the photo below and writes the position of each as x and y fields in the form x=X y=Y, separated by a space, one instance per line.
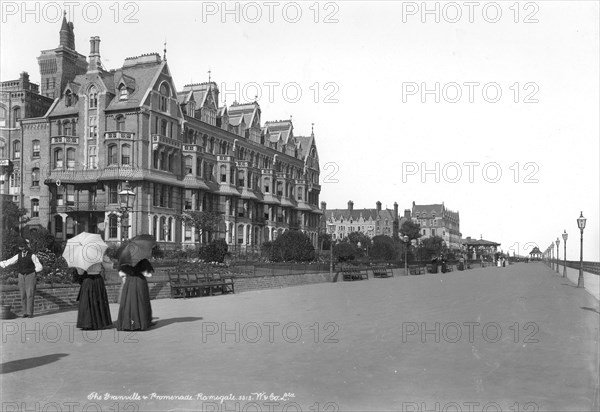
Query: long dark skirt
x=94 y=310
x=135 y=311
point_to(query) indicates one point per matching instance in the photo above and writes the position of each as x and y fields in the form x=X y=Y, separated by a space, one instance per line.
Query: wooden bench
x=354 y=274
x=382 y=272
x=186 y=284
x=416 y=270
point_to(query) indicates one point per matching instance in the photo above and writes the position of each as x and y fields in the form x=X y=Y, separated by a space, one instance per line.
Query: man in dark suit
x=27 y=265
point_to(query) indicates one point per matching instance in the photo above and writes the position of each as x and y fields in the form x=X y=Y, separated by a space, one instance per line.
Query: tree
x=411 y=229
x=344 y=251
x=294 y=246
x=432 y=247
x=325 y=241
x=359 y=237
x=12 y=218
x=202 y=222
x=383 y=248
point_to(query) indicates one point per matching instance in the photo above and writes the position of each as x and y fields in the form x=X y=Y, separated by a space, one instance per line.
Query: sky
x=489 y=107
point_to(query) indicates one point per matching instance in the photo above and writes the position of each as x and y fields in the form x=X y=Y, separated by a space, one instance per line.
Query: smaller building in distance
x=477 y=249
x=535 y=254
x=437 y=220
x=340 y=223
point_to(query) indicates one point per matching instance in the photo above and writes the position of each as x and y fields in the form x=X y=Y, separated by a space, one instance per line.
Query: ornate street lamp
x=565 y=236
x=126 y=199
x=406 y=240
x=557 y=253
x=581 y=224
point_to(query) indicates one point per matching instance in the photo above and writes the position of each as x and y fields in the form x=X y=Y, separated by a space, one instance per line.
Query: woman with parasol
x=85 y=253
x=135 y=310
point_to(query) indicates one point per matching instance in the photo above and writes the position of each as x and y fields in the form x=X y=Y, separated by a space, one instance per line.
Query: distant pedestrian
x=27 y=265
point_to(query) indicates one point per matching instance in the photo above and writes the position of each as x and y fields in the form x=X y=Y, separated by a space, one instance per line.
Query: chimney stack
x=396 y=210
x=407 y=213
x=378 y=206
x=350 y=205
x=94 y=64
x=323 y=206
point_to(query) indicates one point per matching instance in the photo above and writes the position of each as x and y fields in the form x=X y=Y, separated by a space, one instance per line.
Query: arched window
x=241 y=180
x=35 y=208
x=163 y=228
x=155 y=158
x=16 y=149
x=74 y=127
x=35 y=177
x=70 y=158
x=154 y=227
x=93 y=98
x=58 y=226
x=92 y=157
x=189 y=161
x=171 y=164
x=126 y=154
x=163 y=160
x=170 y=230
x=120 y=123
x=16 y=116
x=163 y=127
x=2 y=116
x=165 y=93
x=113 y=226
x=67 y=128
x=223 y=173
x=2 y=149
x=58 y=159
x=112 y=154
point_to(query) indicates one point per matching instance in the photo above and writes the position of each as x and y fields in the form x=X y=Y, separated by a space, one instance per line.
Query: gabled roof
x=478 y=242
x=356 y=214
x=428 y=211
x=284 y=129
x=535 y=251
x=250 y=111
x=204 y=93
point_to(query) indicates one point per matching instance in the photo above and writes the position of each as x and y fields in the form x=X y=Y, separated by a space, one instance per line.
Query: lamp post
x=565 y=236
x=581 y=224
x=125 y=196
x=557 y=253
x=406 y=240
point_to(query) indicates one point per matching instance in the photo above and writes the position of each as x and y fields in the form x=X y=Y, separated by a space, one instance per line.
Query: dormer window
x=123 y=92
x=165 y=93
x=68 y=98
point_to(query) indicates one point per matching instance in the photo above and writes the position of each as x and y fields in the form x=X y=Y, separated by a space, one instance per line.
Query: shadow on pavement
x=566 y=284
x=165 y=322
x=591 y=309
x=28 y=363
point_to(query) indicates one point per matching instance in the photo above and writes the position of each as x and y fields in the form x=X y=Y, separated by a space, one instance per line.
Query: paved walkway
x=516 y=338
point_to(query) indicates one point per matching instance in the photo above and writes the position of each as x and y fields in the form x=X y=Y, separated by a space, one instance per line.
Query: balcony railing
x=77 y=207
x=157 y=138
x=119 y=135
x=64 y=139
x=195 y=148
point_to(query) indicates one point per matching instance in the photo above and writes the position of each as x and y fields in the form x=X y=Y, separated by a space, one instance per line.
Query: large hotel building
x=70 y=146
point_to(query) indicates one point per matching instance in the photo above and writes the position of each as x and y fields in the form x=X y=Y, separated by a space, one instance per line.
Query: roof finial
x=165 y=51
x=312 y=129
x=209 y=72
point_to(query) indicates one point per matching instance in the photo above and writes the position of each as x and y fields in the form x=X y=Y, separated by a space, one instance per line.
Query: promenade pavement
x=519 y=338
